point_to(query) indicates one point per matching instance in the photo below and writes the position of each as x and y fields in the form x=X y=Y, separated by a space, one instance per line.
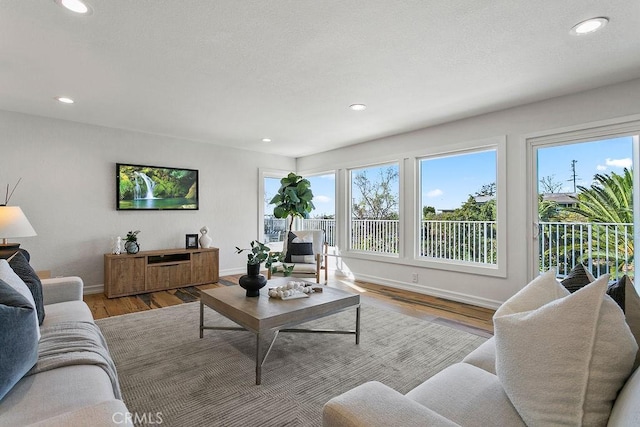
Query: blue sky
x=448 y=181
x=604 y=157
x=323 y=187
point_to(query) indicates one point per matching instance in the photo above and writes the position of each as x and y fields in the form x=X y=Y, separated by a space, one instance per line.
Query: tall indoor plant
x=294 y=198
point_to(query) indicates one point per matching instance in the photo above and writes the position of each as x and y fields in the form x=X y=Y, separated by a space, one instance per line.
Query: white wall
x=68 y=192
x=68 y=188
x=516 y=124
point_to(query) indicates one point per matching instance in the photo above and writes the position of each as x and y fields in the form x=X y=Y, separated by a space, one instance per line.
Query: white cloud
x=322 y=199
x=331 y=176
x=435 y=193
x=619 y=163
x=601 y=168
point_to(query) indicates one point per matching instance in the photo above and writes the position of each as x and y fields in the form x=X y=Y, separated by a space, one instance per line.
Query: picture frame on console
x=191 y=241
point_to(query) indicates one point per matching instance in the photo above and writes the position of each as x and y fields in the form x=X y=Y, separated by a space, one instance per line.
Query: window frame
x=497 y=144
x=362 y=254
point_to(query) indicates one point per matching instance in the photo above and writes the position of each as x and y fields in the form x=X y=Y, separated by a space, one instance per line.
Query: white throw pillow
x=12 y=279
x=562 y=358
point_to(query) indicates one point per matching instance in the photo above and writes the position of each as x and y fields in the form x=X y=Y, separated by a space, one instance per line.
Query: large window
x=375 y=209
x=458 y=207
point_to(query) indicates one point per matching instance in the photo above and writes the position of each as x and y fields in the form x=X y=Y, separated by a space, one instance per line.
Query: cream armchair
x=304 y=261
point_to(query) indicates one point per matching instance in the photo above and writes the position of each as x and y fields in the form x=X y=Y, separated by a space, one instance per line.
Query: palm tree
x=609 y=200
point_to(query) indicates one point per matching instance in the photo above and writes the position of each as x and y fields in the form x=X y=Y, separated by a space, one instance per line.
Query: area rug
x=168 y=374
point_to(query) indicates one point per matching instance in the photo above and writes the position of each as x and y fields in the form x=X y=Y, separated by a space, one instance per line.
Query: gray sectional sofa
x=75 y=393
x=482 y=389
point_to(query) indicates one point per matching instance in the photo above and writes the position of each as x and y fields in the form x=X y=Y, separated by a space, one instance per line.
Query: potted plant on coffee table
x=258 y=253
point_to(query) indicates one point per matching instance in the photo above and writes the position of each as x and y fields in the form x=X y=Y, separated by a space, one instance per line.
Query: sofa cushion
x=18 y=337
x=23 y=269
x=483 y=357
x=624 y=293
x=578 y=277
x=468 y=396
x=47 y=394
x=66 y=312
x=626 y=411
x=10 y=277
x=562 y=362
x=373 y=404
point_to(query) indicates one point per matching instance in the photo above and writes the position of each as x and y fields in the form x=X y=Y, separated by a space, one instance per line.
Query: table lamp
x=13 y=223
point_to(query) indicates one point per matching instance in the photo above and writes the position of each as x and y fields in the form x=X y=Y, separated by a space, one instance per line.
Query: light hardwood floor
x=476 y=320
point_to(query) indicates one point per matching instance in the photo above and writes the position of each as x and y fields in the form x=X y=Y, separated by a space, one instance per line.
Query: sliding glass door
x=585 y=210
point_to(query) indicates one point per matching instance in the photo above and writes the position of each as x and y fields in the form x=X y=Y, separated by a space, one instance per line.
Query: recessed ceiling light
x=358 y=107
x=64 y=100
x=266 y=139
x=76 y=6
x=589 y=26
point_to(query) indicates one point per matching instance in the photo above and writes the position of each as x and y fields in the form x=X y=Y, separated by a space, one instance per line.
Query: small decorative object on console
x=116 y=245
x=131 y=242
x=205 y=239
x=191 y=241
x=291 y=290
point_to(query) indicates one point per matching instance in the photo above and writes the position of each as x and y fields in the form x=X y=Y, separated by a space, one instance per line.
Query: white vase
x=116 y=248
x=205 y=240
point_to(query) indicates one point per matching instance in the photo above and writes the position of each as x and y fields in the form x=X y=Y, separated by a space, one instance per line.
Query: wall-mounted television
x=141 y=187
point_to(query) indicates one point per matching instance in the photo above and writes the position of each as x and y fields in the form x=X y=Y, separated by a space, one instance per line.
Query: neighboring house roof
x=561 y=198
x=484 y=199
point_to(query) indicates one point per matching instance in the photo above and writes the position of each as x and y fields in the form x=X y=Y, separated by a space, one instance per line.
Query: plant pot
x=132 y=247
x=253 y=281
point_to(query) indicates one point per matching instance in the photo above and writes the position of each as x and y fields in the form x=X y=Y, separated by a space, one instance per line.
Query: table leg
x=358 y=325
x=201 y=318
x=258 y=361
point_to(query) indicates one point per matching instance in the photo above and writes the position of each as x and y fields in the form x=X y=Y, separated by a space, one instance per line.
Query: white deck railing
x=374 y=235
x=469 y=241
x=603 y=247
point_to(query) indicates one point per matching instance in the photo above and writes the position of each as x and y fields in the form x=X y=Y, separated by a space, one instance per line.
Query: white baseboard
x=232 y=271
x=426 y=290
x=93 y=289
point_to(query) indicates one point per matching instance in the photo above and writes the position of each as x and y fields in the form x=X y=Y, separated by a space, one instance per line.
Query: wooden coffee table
x=262 y=314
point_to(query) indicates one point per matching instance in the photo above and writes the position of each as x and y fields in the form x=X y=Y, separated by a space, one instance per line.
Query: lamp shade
x=13 y=223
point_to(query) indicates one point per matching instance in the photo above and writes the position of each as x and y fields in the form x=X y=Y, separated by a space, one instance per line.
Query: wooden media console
x=152 y=271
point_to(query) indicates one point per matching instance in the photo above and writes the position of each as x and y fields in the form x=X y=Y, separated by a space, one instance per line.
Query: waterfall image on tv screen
x=156 y=188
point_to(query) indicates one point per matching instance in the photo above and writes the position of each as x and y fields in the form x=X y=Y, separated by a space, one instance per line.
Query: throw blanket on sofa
x=75 y=343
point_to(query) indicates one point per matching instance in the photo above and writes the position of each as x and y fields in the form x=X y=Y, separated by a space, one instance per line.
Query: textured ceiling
x=231 y=72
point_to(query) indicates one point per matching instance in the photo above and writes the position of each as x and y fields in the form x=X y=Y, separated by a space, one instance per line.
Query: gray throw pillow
x=296 y=252
x=577 y=278
x=624 y=293
x=18 y=337
x=23 y=269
